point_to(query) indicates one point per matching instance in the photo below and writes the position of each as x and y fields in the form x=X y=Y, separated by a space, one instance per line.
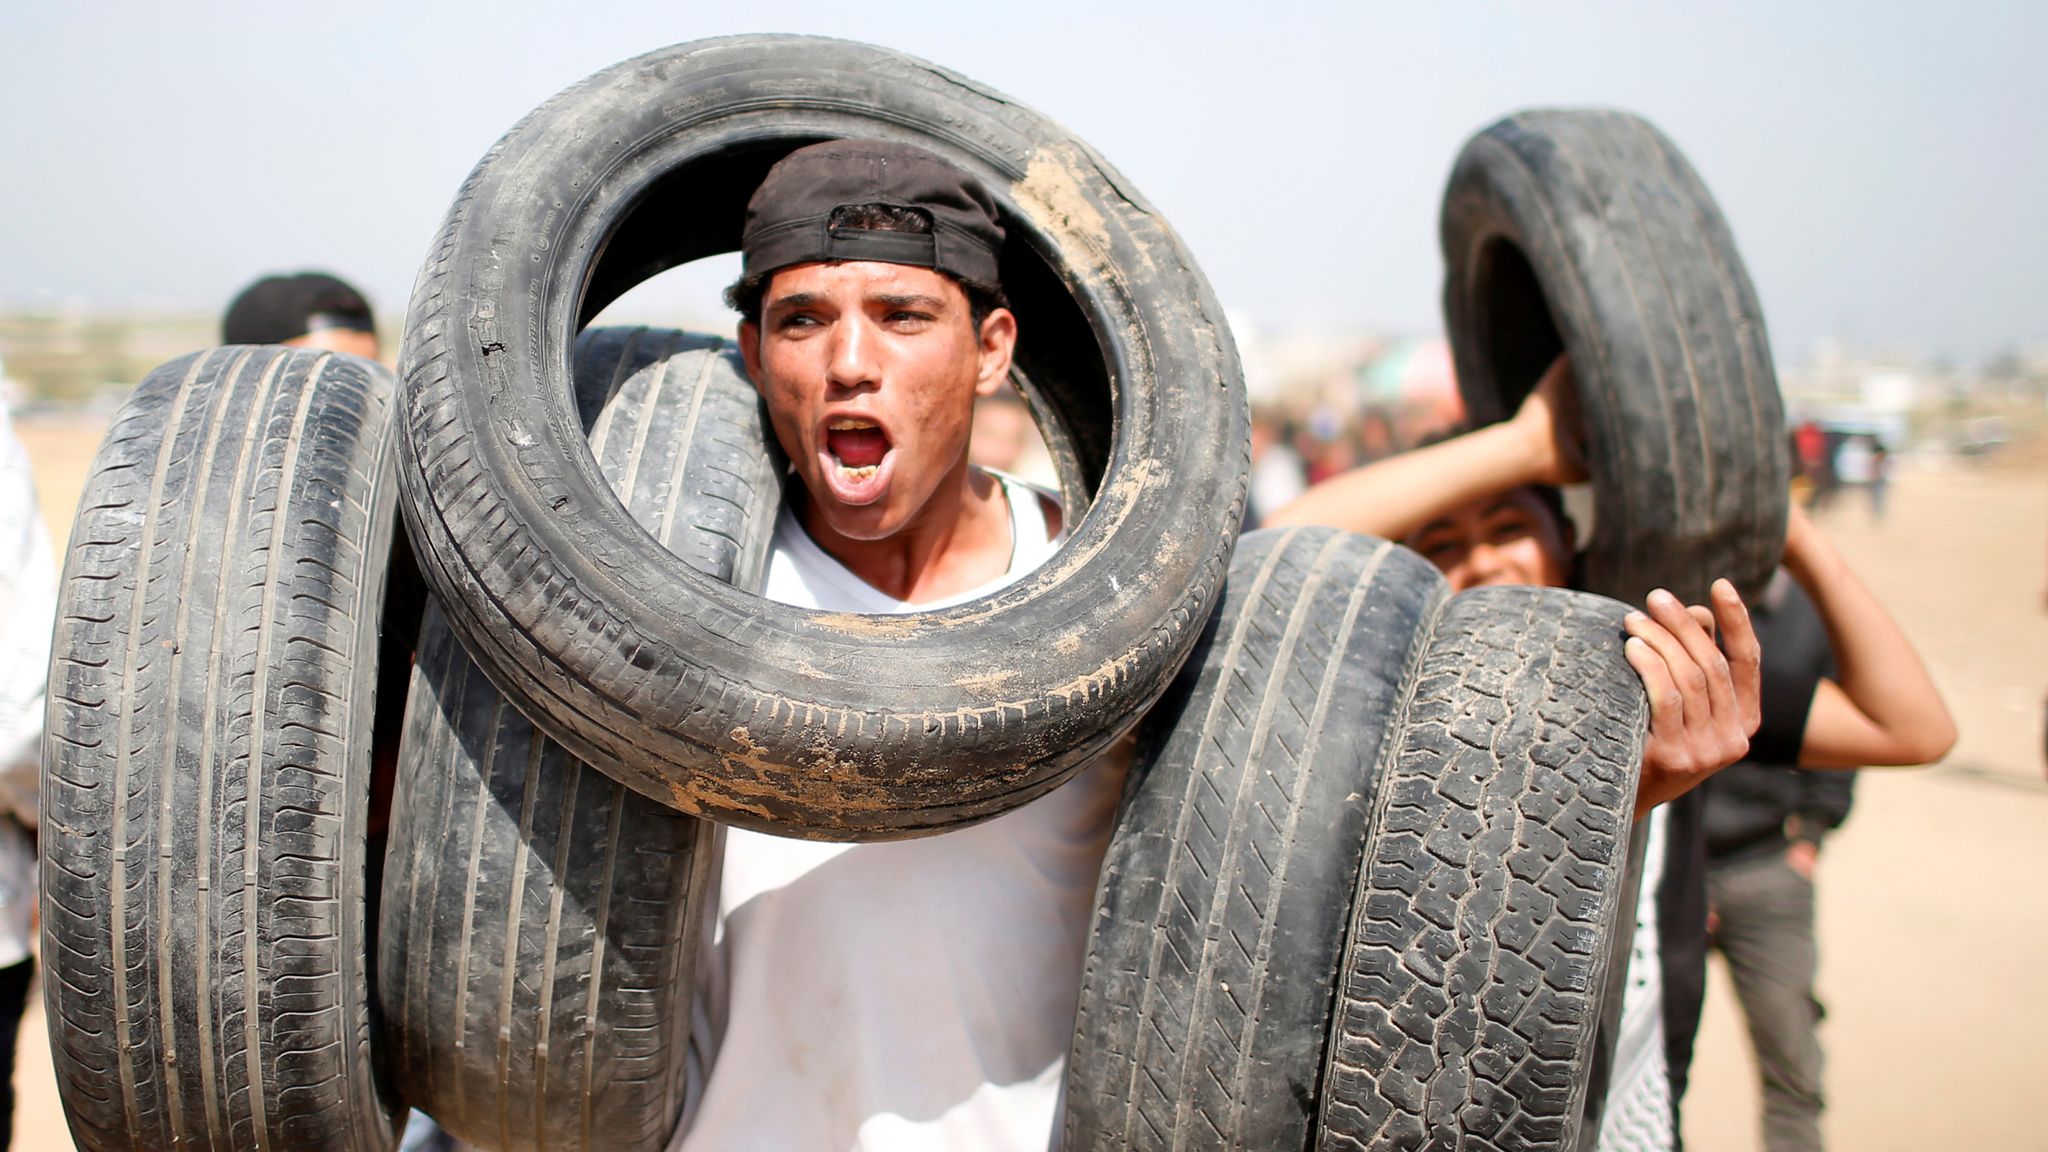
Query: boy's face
x=870 y=371
x=1512 y=538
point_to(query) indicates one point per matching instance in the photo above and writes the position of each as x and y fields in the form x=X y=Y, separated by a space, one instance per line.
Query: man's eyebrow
x=795 y=300
x=911 y=300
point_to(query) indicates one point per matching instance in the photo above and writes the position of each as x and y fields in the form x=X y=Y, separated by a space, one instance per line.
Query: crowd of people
x=920 y=994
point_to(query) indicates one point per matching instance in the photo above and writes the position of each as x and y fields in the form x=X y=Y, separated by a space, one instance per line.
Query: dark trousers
x=14 y=982
x=1765 y=931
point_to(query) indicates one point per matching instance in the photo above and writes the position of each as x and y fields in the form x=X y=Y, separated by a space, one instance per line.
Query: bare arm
x=1884 y=708
x=1395 y=496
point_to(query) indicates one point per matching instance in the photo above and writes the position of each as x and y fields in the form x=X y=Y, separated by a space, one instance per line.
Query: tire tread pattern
x=1212 y=960
x=1493 y=884
x=206 y=792
x=542 y=920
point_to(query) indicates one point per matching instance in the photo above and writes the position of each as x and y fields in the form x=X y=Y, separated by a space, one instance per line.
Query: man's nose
x=1482 y=560
x=853 y=364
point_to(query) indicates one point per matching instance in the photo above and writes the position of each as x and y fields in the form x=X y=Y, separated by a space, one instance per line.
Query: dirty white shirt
x=906 y=996
x=28 y=607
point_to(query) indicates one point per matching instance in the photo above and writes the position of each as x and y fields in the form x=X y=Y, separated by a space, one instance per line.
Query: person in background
x=1278 y=474
x=303 y=310
x=28 y=607
x=1005 y=439
x=1484 y=508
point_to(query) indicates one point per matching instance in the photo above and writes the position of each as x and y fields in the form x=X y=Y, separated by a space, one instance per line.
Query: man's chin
x=863 y=522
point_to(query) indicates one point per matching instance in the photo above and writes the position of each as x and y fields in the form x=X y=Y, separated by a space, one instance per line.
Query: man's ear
x=998 y=344
x=750 y=351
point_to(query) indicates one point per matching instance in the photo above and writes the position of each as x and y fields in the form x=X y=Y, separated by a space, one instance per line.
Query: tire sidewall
x=1111 y=616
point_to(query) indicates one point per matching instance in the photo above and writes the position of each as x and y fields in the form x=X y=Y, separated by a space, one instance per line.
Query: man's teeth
x=860 y=473
x=846 y=425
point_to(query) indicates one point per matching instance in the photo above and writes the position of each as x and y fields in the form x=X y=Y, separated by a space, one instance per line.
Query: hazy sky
x=1884 y=166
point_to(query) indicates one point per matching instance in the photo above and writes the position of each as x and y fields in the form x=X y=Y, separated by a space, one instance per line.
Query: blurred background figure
x=1278 y=474
x=303 y=310
x=1880 y=476
x=1006 y=439
x=28 y=606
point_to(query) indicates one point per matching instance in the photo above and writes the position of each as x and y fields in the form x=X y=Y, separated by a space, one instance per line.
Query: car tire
x=1496 y=885
x=1586 y=231
x=823 y=725
x=1218 y=931
x=206 y=794
x=540 y=920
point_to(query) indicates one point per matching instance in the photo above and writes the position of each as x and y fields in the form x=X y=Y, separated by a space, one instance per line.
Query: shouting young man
x=916 y=994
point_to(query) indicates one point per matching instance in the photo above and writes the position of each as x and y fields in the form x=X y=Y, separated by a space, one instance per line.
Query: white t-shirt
x=910 y=995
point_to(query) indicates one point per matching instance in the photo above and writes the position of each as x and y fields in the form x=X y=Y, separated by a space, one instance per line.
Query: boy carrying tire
x=1484 y=508
x=915 y=994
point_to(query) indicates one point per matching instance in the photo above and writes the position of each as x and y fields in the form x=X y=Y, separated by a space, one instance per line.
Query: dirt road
x=1933 y=925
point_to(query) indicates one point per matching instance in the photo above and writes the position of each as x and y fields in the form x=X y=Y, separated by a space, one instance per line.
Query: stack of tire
x=1371 y=864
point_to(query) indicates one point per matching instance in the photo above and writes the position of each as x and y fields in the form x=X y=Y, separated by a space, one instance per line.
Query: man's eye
x=908 y=317
x=797 y=320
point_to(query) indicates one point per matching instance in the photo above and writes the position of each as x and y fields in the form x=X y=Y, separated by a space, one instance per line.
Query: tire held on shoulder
x=1586 y=231
x=830 y=726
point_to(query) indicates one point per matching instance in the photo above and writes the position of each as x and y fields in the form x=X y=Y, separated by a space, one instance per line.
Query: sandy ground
x=1933 y=931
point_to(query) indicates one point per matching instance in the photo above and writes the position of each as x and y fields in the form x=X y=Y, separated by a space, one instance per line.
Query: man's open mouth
x=857 y=460
x=856 y=446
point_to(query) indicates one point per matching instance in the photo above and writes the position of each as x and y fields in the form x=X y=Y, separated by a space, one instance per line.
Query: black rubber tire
x=540 y=920
x=206 y=790
x=831 y=726
x=1587 y=231
x=1495 y=882
x=1219 y=925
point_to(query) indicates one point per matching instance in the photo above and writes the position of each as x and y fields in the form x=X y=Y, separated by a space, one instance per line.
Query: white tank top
x=907 y=996
x=805 y=575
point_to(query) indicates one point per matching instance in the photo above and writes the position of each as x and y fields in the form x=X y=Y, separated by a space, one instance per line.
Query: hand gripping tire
x=1587 y=232
x=1496 y=892
x=1219 y=923
x=206 y=796
x=832 y=726
x=540 y=920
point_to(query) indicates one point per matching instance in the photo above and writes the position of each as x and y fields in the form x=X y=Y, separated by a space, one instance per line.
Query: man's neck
x=959 y=541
